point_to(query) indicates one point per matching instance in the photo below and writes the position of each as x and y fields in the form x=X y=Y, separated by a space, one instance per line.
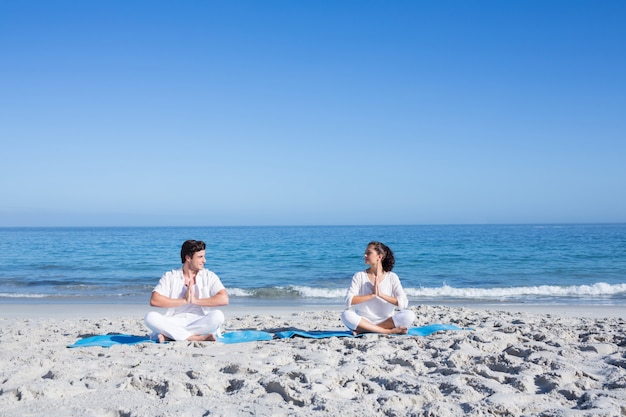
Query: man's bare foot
x=202 y=338
x=162 y=338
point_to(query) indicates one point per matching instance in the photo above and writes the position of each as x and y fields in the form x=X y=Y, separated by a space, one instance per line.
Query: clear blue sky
x=312 y=112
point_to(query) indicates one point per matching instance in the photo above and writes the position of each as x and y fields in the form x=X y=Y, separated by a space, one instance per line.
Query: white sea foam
x=9 y=295
x=598 y=289
x=289 y=291
x=239 y=292
x=308 y=292
x=445 y=291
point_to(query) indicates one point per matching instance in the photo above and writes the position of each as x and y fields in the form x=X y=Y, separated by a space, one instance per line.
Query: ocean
x=531 y=264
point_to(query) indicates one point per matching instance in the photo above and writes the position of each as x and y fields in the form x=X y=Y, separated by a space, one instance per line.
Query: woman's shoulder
x=360 y=276
x=393 y=275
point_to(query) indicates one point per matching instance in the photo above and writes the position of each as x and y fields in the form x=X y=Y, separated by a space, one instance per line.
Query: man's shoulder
x=207 y=273
x=174 y=273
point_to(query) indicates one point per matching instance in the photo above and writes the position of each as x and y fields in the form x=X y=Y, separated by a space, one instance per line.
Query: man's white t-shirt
x=172 y=284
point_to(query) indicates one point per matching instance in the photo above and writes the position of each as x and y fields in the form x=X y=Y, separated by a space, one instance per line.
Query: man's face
x=196 y=263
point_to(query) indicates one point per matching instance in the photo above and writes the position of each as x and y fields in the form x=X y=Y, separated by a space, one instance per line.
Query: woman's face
x=371 y=256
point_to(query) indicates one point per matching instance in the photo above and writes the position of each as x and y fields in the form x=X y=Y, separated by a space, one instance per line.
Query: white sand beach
x=539 y=361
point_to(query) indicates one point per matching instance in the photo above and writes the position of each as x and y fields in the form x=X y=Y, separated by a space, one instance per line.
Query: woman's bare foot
x=162 y=338
x=202 y=338
x=399 y=330
x=382 y=330
x=386 y=327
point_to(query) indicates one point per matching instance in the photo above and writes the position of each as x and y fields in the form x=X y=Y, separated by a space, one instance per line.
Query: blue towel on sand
x=313 y=334
x=320 y=334
x=244 y=336
x=108 y=340
x=431 y=328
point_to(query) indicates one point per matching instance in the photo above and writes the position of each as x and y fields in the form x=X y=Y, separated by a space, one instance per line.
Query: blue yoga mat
x=314 y=334
x=108 y=340
x=431 y=328
x=320 y=334
x=244 y=336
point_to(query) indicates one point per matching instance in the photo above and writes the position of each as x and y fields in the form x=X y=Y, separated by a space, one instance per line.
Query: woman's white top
x=376 y=310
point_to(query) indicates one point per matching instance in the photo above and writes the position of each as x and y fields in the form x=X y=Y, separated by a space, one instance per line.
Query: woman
x=374 y=295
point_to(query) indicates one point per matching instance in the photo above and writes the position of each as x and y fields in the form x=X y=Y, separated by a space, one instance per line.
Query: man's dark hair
x=190 y=247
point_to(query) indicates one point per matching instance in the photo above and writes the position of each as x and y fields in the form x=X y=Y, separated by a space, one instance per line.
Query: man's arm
x=219 y=299
x=160 y=300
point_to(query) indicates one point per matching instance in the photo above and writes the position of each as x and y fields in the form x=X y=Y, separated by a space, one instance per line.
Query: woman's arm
x=397 y=297
x=388 y=298
x=402 y=300
x=358 y=299
x=354 y=295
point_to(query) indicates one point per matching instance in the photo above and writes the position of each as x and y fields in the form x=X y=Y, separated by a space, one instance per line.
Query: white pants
x=182 y=326
x=402 y=318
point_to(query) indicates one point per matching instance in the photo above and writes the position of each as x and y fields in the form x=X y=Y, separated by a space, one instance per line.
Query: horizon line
x=314 y=225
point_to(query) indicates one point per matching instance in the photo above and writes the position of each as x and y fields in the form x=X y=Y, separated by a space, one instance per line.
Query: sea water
x=570 y=264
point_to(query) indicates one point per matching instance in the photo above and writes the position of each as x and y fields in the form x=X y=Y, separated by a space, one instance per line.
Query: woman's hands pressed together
x=375 y=289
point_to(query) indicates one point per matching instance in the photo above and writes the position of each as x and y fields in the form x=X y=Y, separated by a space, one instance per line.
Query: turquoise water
x=569 y=264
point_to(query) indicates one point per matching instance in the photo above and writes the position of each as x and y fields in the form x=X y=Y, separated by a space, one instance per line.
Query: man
x=190 y=294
